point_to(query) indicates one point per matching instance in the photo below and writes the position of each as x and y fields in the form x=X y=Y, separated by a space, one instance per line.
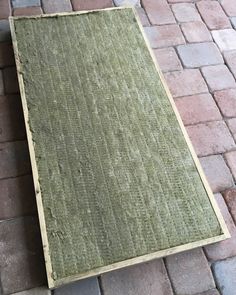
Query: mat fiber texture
x=114 y=176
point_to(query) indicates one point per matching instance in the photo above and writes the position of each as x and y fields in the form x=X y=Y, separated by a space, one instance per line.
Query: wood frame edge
x=37 y=189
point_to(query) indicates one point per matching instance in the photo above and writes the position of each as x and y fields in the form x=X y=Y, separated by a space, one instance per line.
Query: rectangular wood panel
x=116 y=178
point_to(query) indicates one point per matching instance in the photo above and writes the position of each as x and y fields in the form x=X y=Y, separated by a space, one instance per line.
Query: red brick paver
x=158 y=12
x=198 y=109
x=227 y=248
x=226 y=100
x=168 y=59
x=213 y=15
x=1 y=83
x=138 y=280
x=211 y=138
x=229 y=7
x=186 y=82
x=163 y=36
x=218 y=77
x=196 y=32
x=91 y=4
x=230 y=58
x=5 y=9
x=34 y=10
x=232 y=127
x=189 y=272
x=230 y=199
x=231 y=160
x=217 y=173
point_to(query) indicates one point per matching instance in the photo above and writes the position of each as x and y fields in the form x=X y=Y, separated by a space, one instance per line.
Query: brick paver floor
x=195 y=44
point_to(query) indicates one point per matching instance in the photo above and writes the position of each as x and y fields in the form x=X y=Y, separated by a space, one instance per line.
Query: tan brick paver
x=185 y=12
x=217 y=173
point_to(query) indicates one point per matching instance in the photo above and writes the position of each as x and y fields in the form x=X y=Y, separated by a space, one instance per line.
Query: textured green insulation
x=117 y=178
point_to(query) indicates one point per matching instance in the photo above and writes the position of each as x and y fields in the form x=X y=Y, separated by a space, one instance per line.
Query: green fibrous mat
x=117 y=178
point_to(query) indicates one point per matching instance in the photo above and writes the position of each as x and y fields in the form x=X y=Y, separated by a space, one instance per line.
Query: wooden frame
x=54 y=283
